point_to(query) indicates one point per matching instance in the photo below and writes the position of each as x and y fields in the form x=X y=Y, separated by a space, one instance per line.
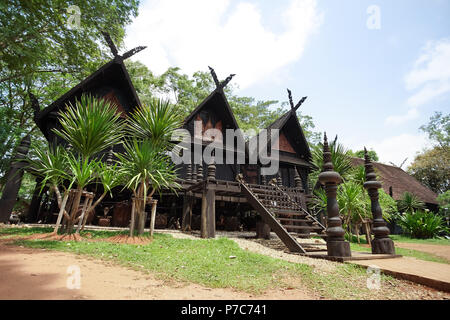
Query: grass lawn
x=402 y=238
x=216 y=263
x=405 y=252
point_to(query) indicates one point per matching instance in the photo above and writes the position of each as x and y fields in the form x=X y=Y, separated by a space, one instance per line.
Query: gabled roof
x=113 y=72
x=400 y=181
x=216 y=98
x=289 y=123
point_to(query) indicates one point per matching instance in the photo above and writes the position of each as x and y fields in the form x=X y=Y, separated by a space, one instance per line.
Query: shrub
x=422 y=224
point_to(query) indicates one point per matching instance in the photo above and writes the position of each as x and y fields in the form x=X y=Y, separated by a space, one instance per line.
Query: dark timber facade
x=213 y=196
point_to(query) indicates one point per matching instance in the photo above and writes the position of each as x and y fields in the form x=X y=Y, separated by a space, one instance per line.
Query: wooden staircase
x=286 y=215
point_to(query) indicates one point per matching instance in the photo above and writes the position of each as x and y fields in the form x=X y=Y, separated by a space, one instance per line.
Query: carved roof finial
x=214 y=76
x=110 y=43
x=219 y=84
x=114 y=51
x=291 y=102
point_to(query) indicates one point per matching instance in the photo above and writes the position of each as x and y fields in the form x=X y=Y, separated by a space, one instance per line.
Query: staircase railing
x=297 y=205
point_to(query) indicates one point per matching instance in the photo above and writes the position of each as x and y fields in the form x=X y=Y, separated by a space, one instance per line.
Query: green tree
x=145 y=165
x=438 y=130
x=188 y=91
x=432 y=169
x=373 y=155
x=89 y=127
x=41 y=53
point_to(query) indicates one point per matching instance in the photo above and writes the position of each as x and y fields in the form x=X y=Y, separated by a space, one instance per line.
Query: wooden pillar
x=14 y=180
x=297 y=179
x=187 y=212
x=381 y=244
x=279 y=179
x=208 y=218
x=35 y=204
x=336 y=244
x=189 y=172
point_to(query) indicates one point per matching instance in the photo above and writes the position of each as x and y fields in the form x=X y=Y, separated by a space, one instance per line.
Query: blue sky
x=372 y=87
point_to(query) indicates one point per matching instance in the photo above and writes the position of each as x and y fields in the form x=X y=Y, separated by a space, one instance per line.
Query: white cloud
x=396 y=149
x=232 y=39
x=428 y=79
x=397 y=120
x=430 y=76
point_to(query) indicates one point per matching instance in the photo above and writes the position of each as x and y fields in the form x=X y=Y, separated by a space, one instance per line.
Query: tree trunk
x=152 y=217
x=73 y=213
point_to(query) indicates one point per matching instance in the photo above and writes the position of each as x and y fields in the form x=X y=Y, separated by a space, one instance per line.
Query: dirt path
x=438 y=250
x=40 y=274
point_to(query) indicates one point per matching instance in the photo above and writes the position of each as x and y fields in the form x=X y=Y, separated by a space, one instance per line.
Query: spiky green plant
x=340 y=157
x=351 y=203
x=144 y=163
x=154 y=122
x=422 y=224
x=409 y=203
x=90 y=126
x=50 y=164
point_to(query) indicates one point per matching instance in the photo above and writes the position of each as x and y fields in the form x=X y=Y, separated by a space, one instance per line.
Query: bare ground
x=436 y=249
x=41 y=274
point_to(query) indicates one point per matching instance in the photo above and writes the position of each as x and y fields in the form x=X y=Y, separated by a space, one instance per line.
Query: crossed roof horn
x=114 y=51
x=294 y=108
x=219 y=84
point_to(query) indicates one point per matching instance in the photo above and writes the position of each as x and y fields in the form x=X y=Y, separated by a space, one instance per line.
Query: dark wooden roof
x=113 y=72
x=400 y=181
x=218 y=100
x=289 y=124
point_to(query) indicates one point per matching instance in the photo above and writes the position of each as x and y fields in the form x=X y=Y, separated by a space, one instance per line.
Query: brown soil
x=53 y=236
x=76 y=237
x=41 y=274
x=122 y=238
x=436 y=249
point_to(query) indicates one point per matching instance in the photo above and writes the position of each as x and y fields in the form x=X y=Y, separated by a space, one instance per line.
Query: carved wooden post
x=208 y=225
x=187 y=209
x=297 y=180
x=194 y=173
x=382 y=243
x=35 y=202
x=279 y=180
x=200 y=172
x=189 y=172
x=263 y=180
x=14 y=180
x=336 y=244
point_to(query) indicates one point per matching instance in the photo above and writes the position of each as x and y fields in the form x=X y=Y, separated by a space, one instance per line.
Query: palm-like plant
x=51 y=165
x=144 y=165
x=340 y=157
x=409 y=203
x=155 y=122
x=90 y=126
x=351 y=203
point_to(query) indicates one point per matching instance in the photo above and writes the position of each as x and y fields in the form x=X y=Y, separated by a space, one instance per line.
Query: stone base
x=383 y=246
x=338 y=249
